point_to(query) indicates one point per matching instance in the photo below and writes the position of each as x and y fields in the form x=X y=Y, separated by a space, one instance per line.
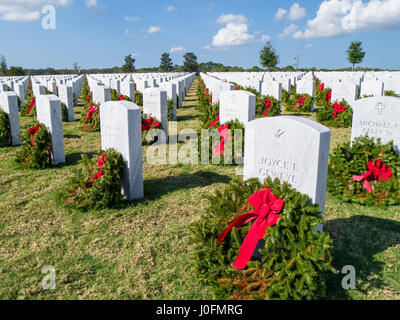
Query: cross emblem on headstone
x=379 y=108
x=279 y=133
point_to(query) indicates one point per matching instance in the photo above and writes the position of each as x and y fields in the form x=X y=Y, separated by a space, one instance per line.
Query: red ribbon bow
x=89 y=96
x=321 y=87
x=32 y=103
x=92 y=110
x=328 y=96
x=121 y=97
x=149 y=124
x=267 y=206
x=100 y=163
x=378 y=171
x=225 y=136
x=267 y=104
x=300 y=101
x=214 y=123
x=33 y=131
x=339 y=108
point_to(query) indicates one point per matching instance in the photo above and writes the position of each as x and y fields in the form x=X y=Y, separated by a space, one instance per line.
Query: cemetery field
x=143 y=251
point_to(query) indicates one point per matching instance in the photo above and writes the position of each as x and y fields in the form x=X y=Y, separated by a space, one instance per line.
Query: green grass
x=143 y=250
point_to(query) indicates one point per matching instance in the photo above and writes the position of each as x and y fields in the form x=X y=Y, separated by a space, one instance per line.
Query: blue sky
x=99 y=33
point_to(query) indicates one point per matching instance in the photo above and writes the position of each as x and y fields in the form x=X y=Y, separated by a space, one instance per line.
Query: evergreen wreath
x=299 y=103
x=148 y=124
x=267 y=106
x=5 y=130
x=36 y=147
x=336 y=115
x=28 y=109
x=138 y=98
x=64 y=112
x=366 y=172
x=170 y=106
x=296 y=257
x=223 y=136
x=96 y=185
x=91 y=121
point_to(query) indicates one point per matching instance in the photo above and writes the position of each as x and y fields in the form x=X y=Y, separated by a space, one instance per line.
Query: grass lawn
x=143 y=251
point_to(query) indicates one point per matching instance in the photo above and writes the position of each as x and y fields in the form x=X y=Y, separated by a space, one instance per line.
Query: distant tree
x=16 y=71
x=3 y=66
x=268 y=57
x=51 y=71
x=288 y=68
x=190 y=64
x=76 y=67
x=355 y=53
x=254 y=69
x=129 y=65
x=166 y=63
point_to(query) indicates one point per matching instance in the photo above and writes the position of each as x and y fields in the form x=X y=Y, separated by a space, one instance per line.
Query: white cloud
x=341 y=17
x=171 y=8
x=234 y=18
x=176 y=49
x=134 y=19
x=26 y=11
x=296 y=12
x=280 y=14
x=154 y=29
x=288 y=31
x=91 y=3
x=235 y=33
x=135 y=54
x=265 y=38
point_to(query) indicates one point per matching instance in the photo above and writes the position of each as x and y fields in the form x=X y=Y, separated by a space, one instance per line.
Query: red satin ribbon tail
x=367 y=186
x=256 y=232
x=358 y=178
x=238 y=222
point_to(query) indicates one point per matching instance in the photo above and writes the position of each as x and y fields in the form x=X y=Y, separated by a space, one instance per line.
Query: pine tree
x=268 y=57
x=190 y=64
x=355 y=53
x=166 y=63
x=129 y=65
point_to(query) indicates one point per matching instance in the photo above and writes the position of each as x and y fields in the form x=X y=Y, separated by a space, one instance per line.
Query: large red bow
x=267 y=206
x=321 y=87
x=378 y=171
x=92 y=110
x=267 y=104
x=33 y=131
x=300 y=101
x=32 y=103
x=225 y=136
x=339 y=108
x=89 y=96
x=121 y=97
x=149 y=124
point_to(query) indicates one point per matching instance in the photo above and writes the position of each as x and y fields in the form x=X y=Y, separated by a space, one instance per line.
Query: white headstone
x=344 y=90
x=371 y=88
x=379 y=117
x=238 y=104
x=48 y=109
x=293 y=149
x=101 y=94
x=120 y=123
x=9 y=104
x=155 y=105
x=66 y=97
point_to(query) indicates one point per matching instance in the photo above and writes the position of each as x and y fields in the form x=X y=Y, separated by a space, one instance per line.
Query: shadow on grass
x=355 y=242
x=73 y=159
x=187 y=117
x=156 y=188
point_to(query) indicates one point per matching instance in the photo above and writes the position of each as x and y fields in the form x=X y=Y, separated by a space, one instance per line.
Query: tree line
x=269 y=59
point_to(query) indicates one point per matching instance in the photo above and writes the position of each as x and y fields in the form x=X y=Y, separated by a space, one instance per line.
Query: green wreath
x=90 y=121
x=350 y=161
x=296 y=257
x=299 y=103
x=267 y=106
x=96 y=185
x=149 y=123
x=5 y=130
x=36 y=147
x=170 y=106
x=216 y=151
x=342 y=119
